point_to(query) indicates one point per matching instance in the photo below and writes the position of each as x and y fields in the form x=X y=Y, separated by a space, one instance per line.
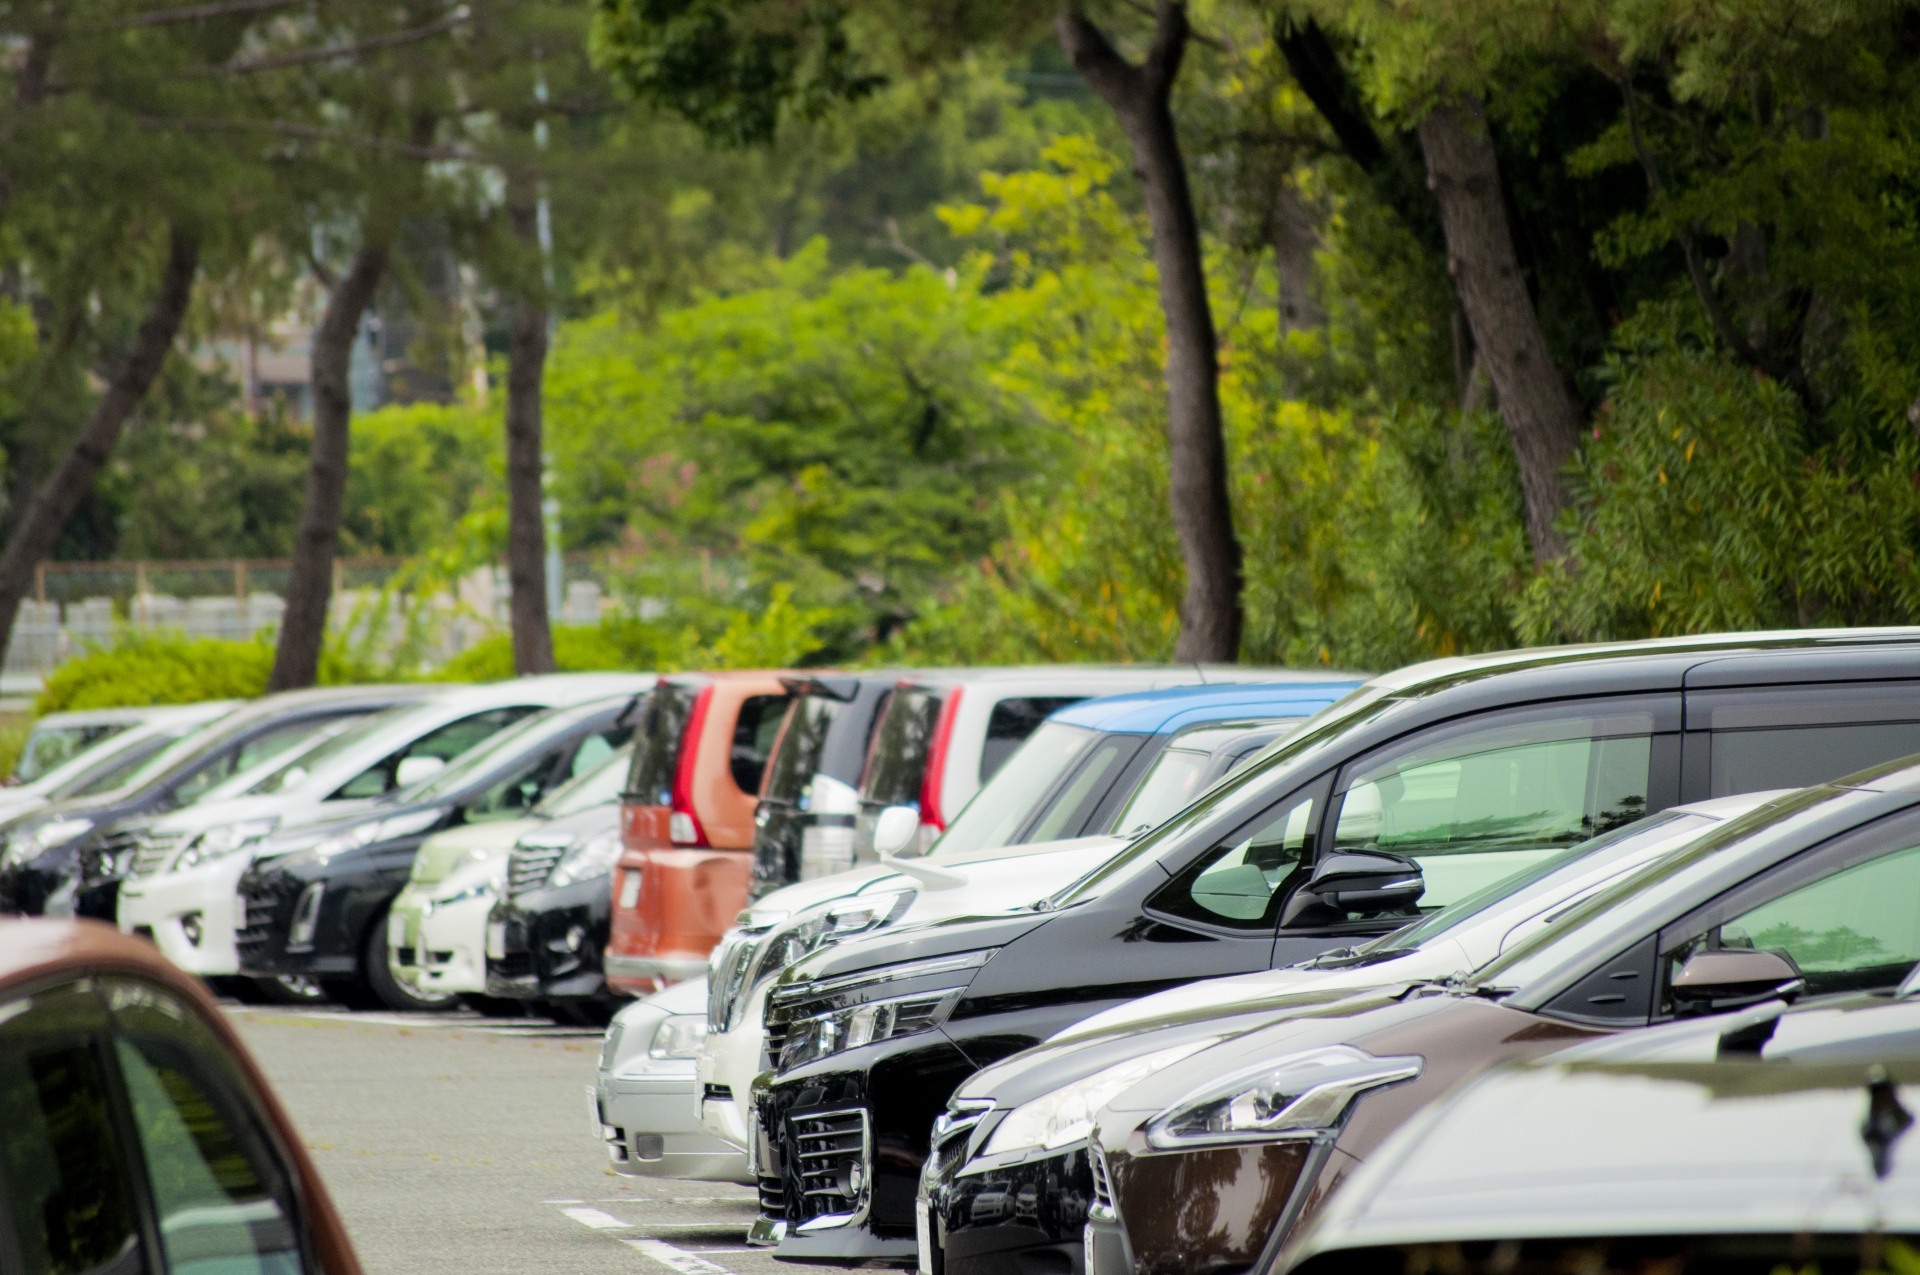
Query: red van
x=686 y=823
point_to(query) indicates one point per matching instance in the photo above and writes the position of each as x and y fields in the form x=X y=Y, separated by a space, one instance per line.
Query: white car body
x=151 y=729
x=643 y=1099
x=978 y=883
x=454 y=917
x=159 y=896
x=1462 y=948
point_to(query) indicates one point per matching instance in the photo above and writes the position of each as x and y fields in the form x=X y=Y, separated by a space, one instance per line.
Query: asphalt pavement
x=462 y=1144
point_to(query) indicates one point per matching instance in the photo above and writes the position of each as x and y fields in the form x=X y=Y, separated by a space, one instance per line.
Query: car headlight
x=1066 y=1115
x=484 y=890
x=221 y=841
x=54 y=832
x=587 y=859
x=743 y=963
x=1297 y=1096
x=678 y=1036
x=365 y=834
x=850 y=1014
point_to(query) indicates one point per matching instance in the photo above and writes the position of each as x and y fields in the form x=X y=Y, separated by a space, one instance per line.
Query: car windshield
x=597 y=787
x=995 y=814
x=1541 y=878
x=1175 y=779
x=1297 y=752
x=294 y=768
x=802 y=743
x=522 y=736
x=50 y=746
x=109 y=772
x=188 y=746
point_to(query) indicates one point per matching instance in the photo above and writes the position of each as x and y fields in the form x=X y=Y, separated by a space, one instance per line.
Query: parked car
x=1127 y=760
x=1810 y=896
x=317 y=896
x=440 y=940
x=687 y=823
x=803 y=824
x=69 y=858
x=1017 y=1130
x=102 y=762
x=1414 y=792
x=547 y=929
x=181 y=887
x=1739 y=1149
x=643 y=1092
x=140 y=1134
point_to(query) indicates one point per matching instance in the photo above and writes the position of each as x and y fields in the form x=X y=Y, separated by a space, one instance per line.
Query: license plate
x=496 y=940
x=923 y=1235
x=396 y=929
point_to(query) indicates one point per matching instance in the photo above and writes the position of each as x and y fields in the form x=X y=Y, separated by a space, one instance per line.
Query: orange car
x=686 y=823
x=139 y=1135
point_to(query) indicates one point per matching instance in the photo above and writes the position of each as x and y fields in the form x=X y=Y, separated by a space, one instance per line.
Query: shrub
x=147 y=667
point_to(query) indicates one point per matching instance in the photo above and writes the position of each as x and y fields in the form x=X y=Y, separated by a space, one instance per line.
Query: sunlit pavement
x=460 y=1143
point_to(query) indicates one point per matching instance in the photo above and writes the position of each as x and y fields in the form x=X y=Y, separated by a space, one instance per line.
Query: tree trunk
x=1290 y=226
x=526 y=528
x=39 y=528
x=303 y=626
x=1541 y=416
x=1210 y=616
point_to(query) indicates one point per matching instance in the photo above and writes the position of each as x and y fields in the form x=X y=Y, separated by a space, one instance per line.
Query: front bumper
x=160 y=907
x=352 y=896
x=1198 y=1212
x=650 y=1123
x=438 y=950
x=549 y=943
x=43 y=885
x=1005 y=1215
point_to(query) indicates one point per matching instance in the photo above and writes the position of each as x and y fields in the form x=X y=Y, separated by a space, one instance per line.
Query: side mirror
x=1714 y=982
x=895 y=830
x=414 y=769
x=1354 y=881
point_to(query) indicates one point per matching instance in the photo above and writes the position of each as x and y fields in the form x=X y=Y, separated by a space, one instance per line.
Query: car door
x=1476 y=799
x=1754 y=738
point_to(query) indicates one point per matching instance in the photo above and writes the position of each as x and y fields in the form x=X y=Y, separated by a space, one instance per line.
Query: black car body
x=547 y=933
x=1737 y=1147
x=317 y=896
x=80 y=874
x=802 y=818
x=1290 y=856
x=1814 y=897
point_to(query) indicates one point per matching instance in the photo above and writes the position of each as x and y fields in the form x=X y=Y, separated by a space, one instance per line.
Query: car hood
x=1557 y=1149
x=441 y=853
x=889 y=947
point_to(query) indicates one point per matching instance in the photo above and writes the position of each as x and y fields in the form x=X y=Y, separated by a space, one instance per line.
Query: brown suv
x=138 y=1134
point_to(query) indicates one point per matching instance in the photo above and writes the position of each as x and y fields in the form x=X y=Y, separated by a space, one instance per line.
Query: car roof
x=134 y=714
x=1587 y=1149
x=1122 y=674
x=1158 y=711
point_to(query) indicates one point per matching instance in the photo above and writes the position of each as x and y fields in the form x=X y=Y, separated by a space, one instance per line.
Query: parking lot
x=455 y=1142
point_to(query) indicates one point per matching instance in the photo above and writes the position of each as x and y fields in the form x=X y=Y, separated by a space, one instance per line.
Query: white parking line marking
x=597 y=1220
x=677 y=1260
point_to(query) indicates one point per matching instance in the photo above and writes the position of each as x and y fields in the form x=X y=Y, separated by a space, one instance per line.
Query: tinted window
x=445 y=743
x=517 y=794
x=62 y=1168
x=590 y=787
x=1480 y=802
x=1175 y=779
x=897 y=762
x=803 y=740
x=1799 y=756
x=50 y=746
x=1854 y=928
x=115 y=770
x=753 y=735
x=656 y=743
x=1239 y=885
x=1011 y=721
x=220 y=1195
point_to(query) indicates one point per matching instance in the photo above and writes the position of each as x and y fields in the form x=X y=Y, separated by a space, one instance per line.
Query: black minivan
x=1475 y=767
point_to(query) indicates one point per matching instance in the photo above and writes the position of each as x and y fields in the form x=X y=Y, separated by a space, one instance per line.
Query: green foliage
x=13 y=740
x=145 y=666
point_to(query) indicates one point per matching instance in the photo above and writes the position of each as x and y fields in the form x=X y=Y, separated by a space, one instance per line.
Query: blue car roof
x=1158 y=712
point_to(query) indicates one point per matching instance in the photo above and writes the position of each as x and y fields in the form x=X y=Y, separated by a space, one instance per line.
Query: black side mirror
x=1370 y=881
x=1714 y=982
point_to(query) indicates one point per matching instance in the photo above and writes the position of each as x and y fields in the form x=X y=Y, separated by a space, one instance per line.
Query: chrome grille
x=113 y=854
x=1102 y=1181
x=824 y=1151
x=528 y=867
x=950 y=1133
x=773 y=1197
x=152 y=851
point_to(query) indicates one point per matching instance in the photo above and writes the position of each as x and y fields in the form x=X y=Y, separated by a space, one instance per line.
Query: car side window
x=753 y=734
x=1240 y=885
x=1795 y=736
x=226 y=765
x=1853 y=928
x=443 y=743
x=221 y=1198
x=69 y=1196
x=1077 y=799
x=1474 y=803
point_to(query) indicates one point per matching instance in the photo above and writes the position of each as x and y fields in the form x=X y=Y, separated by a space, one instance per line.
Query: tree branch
x=276 y=61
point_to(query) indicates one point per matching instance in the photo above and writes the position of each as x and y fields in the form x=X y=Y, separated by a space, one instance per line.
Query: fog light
x=306 y=917
x=649 y=1146
x=576 y=936
x=190 y=926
